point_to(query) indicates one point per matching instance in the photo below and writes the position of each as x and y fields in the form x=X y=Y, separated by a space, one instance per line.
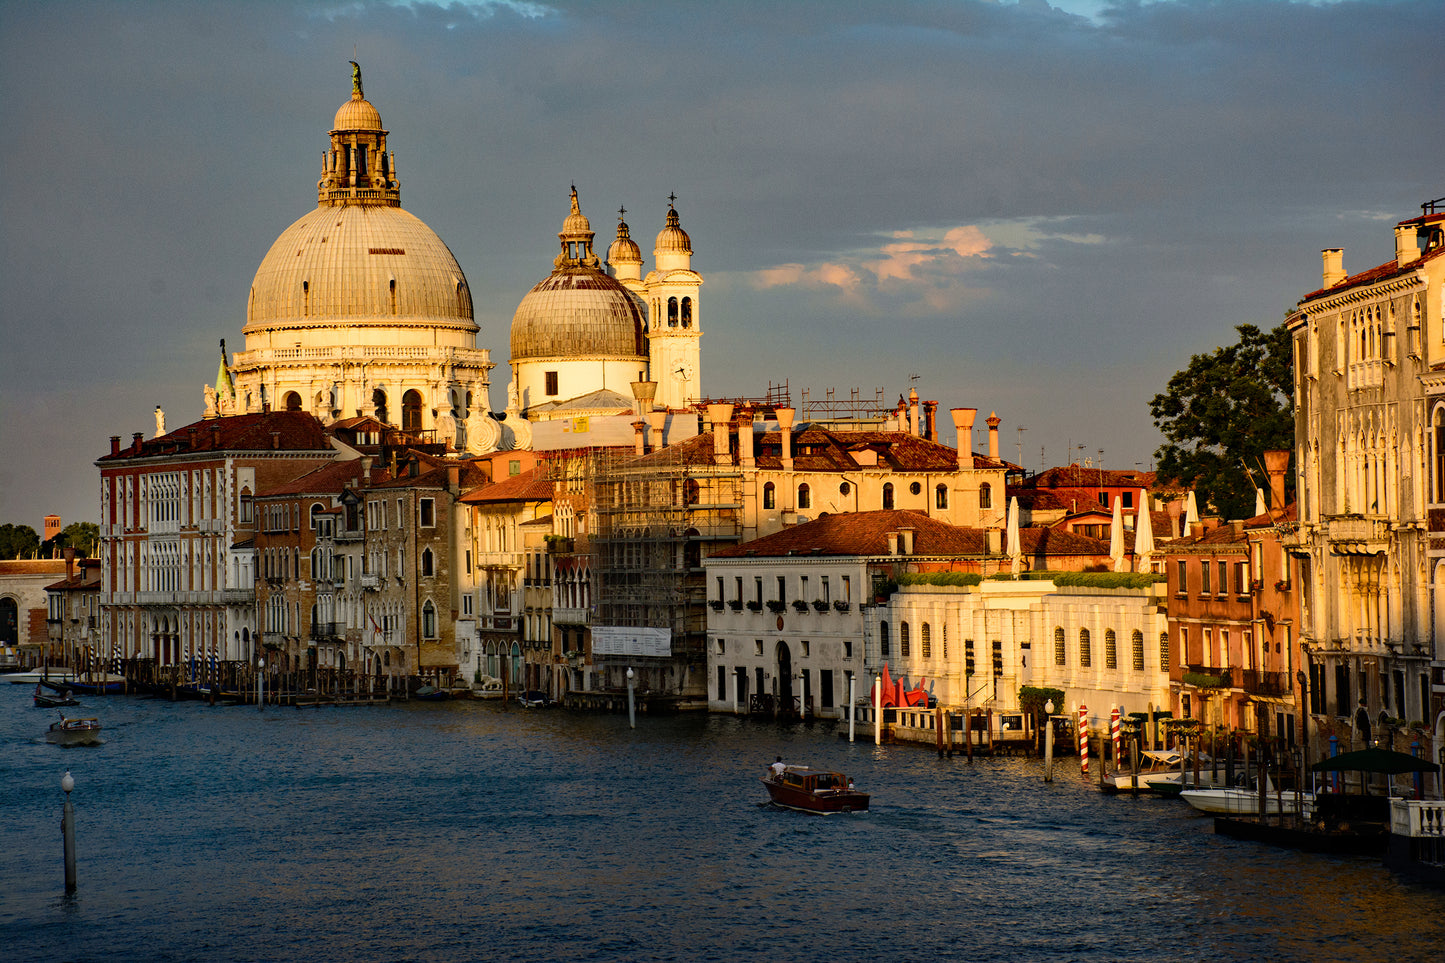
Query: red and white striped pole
x=1083 y=738
x=1116 y=736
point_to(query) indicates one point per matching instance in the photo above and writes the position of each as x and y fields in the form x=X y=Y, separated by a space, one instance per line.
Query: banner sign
x=631 y=640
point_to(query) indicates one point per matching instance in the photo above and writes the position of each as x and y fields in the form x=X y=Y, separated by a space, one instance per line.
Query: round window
x=915 y=488
x=844 y=488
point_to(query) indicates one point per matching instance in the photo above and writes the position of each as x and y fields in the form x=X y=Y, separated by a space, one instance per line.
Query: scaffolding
x=651 y=522
x=855 y=410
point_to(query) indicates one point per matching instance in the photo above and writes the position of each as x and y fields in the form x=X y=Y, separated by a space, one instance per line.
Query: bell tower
x=674 y=332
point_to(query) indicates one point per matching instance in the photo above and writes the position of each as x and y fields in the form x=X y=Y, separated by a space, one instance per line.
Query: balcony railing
x=1256 y=682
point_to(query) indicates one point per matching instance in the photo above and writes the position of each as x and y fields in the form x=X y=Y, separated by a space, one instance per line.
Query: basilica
x=360 y=311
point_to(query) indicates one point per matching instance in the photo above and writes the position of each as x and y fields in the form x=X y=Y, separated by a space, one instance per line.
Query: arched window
x=805 y=497
x=883 y=639
x=687 y=312
x=887 y=496
x=672 y=312
x=691 y=492
x=1060 y=653
x=926 y=637
x=1111 y=651
x=428 y=566
x=411 y=411
x=428 y=620
x=292 y=401
x=1439 y=479
x=1086 y=652
x=903 y=640
x=985 y=496
x=940 y=496
x=378 y=401
x=1136 y=643
x=316 y=509
x=769 y=496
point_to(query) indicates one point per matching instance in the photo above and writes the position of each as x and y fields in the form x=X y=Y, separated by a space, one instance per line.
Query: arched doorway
x=292 y=401
x=411 y=411
x=378 y=402
x=784 y=680
x=516 y=666
x=9 y=622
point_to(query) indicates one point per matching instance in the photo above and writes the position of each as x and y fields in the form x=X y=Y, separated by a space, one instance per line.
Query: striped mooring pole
x=1116 y=736
x=1083 y=738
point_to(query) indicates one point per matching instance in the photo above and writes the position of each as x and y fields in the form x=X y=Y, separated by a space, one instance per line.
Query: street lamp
x=631 y=710
x=1049 y=741
x=67 y=827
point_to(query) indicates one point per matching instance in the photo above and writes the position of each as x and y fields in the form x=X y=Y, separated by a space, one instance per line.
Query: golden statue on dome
x=356 y=79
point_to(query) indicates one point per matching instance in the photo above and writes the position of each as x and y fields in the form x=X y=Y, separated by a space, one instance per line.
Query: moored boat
x=54 y=699
x=814 y=791
x=1156 y=768
x=74 y=732
x=1245 y=802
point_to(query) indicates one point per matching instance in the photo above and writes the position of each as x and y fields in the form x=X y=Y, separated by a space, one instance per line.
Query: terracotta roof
x=87 y=576
x=817 y=449
x=530 y=486
x=470 y=476
x=1389 y=269
x=326 y=480
x=261 y=431
x=1078 y=477
x=32 y=566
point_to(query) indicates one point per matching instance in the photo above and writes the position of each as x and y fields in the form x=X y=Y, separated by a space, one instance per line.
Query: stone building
x=24 y=608
x=1369 y=394
x=73 y=619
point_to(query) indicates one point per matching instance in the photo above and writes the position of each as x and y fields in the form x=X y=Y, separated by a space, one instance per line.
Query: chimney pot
x=115 y=444
x=963 y=424
x=785 y=435
x=993 y=422
x=1334 y=265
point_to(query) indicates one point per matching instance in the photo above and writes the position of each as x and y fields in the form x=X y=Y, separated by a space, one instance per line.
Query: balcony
x=371 y=582
x=326 y=630
x=348 y=535
x=1357 y=535
x=570 y=616
x=238 y=596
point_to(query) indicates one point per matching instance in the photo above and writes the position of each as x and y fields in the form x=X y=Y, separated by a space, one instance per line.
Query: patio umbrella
x=1375 y=759
x=1191 y=512
x=1143 y=533
x=1015 y=550
x=1259 y=506
x=1116 y=537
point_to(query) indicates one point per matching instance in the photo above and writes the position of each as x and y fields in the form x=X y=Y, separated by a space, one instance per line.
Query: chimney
x=1334 y=262
x=1276 y=465
x=913 y=411
x=639 y=443
x=136 y=440
x=275 y=441
x=1407 y=243
x=905 y=541
x=745 y=439
x=366 y=461
x=993 y=421
x=720 y=415
x=930 y=420
x=454 y=478
x=785 y=434
x=69 y=553
x=963 y=424
x=643 y=392
x=115 y=444
x=892 y=543
x=658 y=421
x=995 y=541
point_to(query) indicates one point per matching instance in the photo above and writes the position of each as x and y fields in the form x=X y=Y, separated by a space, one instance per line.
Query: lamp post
x=1049 y=741
x=631 y=709
x=260 y=683
x=67 y=829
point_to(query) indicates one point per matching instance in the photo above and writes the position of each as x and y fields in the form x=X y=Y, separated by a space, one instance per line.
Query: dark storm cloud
x=1035 y=211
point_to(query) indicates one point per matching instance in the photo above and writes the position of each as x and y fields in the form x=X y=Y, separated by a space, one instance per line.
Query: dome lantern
x=624 y=257
x=358 y=169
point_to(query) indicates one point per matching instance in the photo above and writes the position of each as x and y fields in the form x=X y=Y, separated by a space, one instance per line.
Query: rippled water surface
x=464 y=831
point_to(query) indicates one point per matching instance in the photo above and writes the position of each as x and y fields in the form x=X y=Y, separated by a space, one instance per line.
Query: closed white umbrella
x=1015 y=548
x=1116 y=536
x=1259 y=506
x=1143 y=533
x=1191 y=512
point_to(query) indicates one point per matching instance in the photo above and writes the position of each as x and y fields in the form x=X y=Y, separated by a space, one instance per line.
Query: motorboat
x=40 y=675
x=1226 y=801
x=55 y=698
x=534 y=699
x=430 y=693
x=74 y=732
x=814 y=791
x=1156 y=766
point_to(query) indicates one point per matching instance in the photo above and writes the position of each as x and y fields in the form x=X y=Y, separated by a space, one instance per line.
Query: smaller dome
x=672 y=238
x=624 y=250
x=357 y=114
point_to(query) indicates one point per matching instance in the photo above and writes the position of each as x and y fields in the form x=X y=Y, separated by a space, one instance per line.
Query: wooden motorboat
x=54 y=699
x=814 y=791
x=1156 y=767
x=74 y=732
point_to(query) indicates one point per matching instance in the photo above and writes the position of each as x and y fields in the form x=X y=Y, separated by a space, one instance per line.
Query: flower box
x=800 y=605
x=820 y=605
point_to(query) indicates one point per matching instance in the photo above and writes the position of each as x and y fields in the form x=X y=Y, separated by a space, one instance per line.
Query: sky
x=1034 y=208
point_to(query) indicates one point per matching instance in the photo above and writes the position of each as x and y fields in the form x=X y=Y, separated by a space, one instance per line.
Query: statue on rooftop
x=356 y=78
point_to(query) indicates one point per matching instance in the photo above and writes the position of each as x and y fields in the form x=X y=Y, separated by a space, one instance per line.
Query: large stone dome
x=357 y=264
x=576 y=314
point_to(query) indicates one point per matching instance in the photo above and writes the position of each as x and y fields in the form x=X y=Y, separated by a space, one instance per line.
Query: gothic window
x=411 y=411
x=769 y=496
x=883 y=639
x=1111 y=651
x=1164 y=650
x=804 y=496
x=428 y=620
x=926 y=638
x=428 y=565
x=903 y=640
x=1439 y=433
x=1137 y=645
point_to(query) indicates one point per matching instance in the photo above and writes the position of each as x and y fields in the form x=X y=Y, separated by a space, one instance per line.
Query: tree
x=1221 y=413
x=82 y=536
x=18 y=541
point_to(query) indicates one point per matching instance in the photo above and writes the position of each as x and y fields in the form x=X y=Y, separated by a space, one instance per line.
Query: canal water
x=466 y=831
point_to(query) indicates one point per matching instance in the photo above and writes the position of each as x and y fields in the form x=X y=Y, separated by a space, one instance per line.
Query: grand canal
x=462 y=831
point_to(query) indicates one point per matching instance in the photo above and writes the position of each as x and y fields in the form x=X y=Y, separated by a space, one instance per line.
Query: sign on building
x=631 y=640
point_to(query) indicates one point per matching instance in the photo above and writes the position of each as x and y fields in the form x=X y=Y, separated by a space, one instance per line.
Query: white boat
x=40 y=675
x=1156 y=766
x=74 y=732
x=1245 y=802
